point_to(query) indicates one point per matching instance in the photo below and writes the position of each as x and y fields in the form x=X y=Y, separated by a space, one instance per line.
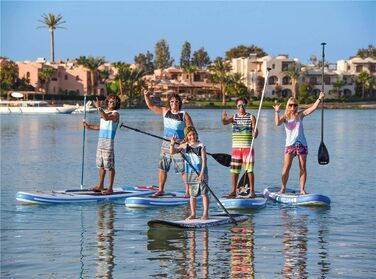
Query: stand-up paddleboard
x=168 y=199
x=214 y=220
x=243 y=203
x=292 y=197
x=82 y=195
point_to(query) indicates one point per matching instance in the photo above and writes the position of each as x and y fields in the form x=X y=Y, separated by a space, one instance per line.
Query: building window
x=359 y=68
x=66 y=77
x=54 y=89
x=285 y=66
x=28 y=75
x=273 y=66
x=327 y=80
x=77 y=78
x=286 y=80
x=196 y=77
x=174 y=76
x=313 y=80
x=372 y=68
x=273 y=80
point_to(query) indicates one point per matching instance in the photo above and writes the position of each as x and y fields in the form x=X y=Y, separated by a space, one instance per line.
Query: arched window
x=273 y=80
x=286 y=93
x=347 y=93
x=286 y=80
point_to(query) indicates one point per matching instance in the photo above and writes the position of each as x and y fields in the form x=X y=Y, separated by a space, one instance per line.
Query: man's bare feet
x=96 y=189
x=252 y=195
x=186 y=195
x=302 y=192
x=204 y=217
x=107 y=192
x=231 y=195
x=282 y=191
x=158 y=194
x=191 y=217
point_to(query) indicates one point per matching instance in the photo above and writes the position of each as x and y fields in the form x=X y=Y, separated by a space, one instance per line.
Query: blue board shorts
x=166 y=159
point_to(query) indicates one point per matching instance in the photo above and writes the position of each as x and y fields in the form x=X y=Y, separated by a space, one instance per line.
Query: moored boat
x=33 y=107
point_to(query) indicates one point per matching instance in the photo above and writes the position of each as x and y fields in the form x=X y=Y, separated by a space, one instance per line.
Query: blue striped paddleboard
x=292 y=197
x=214 y=220
x=243 y=203
x=168 y=199
x=82 y=195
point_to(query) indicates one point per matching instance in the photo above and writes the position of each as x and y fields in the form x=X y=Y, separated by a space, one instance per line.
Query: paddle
x=243 y=185
x=222 y=158
x=83 y=145
x=210 y=190
x=323 y=154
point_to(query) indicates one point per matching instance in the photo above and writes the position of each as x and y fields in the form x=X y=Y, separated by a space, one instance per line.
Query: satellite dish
x=17 y=95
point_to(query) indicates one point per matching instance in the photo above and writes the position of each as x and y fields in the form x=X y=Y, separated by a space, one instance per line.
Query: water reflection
x=242 y=251
x=295 y=243
x=105 y=240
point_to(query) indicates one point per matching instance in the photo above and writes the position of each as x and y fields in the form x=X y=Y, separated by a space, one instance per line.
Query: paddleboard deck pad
x=168 y=199
x=214 y=220
x=82 y=195
x=292 y=197
x=241 y=202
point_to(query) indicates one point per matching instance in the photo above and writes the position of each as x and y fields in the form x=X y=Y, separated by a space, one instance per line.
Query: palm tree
x=92 y=63
x=52 y=21
x=293 y=72
x=219 y=72
x=129 y=80
x=365 y=79
x=337 y=85
x=45 y=75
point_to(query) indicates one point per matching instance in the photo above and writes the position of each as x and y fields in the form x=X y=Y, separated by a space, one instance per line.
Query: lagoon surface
x=108 y=240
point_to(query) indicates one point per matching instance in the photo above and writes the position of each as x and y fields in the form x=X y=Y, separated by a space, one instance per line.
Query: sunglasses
x=241 y=106
x=293 y=105
x=174 y=102
x=111 y=101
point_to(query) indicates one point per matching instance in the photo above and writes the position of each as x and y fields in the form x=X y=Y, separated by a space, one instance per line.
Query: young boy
x=194 y=152
x=105 y=159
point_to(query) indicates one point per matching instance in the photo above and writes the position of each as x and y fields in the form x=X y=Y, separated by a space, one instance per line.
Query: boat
x=292 y=197
x=33 y=107
x=168 y=199
x=81 y=109
x=214 y=220
x=243 y=203
x=82 y=195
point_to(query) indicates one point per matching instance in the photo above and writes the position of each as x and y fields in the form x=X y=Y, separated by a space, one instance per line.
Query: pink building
x=69 y=78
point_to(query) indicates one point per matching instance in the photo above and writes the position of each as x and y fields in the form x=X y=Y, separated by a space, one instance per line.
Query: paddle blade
x=243 y=189
x=222 y=158
x=323 y=154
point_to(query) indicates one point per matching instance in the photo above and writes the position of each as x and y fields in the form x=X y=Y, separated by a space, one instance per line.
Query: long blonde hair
x=288 y=111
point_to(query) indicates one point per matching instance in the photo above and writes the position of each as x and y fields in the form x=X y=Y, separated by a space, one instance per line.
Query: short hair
x=245 y=101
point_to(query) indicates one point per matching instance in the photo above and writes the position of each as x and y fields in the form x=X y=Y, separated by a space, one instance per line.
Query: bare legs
x=193 y=204
x=235 y=177
x=102 y=175
x=286 y=171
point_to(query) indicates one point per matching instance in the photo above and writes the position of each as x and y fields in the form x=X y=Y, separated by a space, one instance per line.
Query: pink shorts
x=239 y=158
x=296 y=149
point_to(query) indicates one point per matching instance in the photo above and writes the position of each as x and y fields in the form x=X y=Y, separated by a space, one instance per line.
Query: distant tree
x=304 y=92
x=144 y=62
x=244 y=51
x=8 y=74
x=337 y=85
x=293 y=72
x=234 y=85
x=200 y=58
x=313 y=60
x=367 y=52
x=52 y=21
x=219 y=71
x=163 y=58
x=45 y=75
x=92 y=63
x=129 y=80
x=185 y=58
x=365 y=80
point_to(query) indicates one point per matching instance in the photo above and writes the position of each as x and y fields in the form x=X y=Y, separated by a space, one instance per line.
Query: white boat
x=32 y=107
x=80 y=109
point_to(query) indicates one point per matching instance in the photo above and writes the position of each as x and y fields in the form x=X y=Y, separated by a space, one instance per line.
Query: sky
x=119 y=30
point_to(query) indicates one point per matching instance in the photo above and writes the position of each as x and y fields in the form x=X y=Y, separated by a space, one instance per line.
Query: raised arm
x=188 y=120
x=278 y=120
x=255 y=132
x=151 y=106
x=226 y=120
x=314 y=106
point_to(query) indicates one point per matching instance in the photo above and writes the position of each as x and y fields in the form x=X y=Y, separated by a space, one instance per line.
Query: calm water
x=110 y=241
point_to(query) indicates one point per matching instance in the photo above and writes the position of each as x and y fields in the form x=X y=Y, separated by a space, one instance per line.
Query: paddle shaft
x=322 y=89
x=244 y=177
x=152 y=135
x=210 y=190
x=83 y=146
